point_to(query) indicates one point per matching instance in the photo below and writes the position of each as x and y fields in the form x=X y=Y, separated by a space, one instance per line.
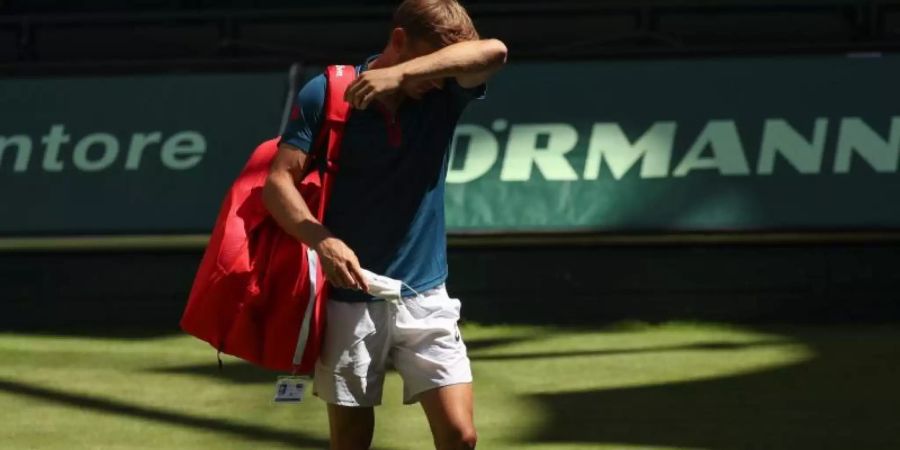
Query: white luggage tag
x=290 y=389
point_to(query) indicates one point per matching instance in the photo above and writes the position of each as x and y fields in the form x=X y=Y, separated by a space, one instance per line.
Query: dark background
x=562 y=284
x=46 y=35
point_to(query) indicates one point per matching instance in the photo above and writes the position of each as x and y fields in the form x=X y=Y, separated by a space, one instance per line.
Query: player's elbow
x=271 y=191
x=496 y=51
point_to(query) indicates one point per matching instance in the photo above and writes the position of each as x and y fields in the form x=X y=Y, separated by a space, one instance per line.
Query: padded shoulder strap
x=339 y=78
x=337 y=111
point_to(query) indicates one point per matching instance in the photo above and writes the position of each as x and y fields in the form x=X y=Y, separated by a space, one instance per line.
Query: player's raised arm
x=470 y=61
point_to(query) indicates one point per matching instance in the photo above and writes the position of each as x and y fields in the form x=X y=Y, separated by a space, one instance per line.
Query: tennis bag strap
x=331 y=134
x=328 y=142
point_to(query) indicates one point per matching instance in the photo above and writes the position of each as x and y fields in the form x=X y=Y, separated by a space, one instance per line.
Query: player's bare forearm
x=470 y=62
x=290 y=211
x=285 y=203
x=288 y=208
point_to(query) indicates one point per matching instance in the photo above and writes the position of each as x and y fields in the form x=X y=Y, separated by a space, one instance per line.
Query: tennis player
x=386 y=214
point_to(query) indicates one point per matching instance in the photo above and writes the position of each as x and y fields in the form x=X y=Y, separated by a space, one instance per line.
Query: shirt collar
x=365 y=66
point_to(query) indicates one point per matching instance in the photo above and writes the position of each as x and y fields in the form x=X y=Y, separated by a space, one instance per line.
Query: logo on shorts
x=457 y=335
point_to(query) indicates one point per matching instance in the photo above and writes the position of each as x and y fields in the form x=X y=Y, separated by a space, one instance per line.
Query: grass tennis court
x=626 y=386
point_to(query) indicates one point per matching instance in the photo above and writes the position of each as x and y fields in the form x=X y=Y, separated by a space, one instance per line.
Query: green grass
x=628 y=386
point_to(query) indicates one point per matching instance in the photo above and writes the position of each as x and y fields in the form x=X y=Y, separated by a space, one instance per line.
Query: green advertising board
x=727 y=144
x=659 y=146
x=128 y=154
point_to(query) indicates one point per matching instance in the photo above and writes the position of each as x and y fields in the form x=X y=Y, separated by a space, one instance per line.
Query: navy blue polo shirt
x=387 y=202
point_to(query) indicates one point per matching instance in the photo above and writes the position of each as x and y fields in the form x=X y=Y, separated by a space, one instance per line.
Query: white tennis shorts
x=419 y=335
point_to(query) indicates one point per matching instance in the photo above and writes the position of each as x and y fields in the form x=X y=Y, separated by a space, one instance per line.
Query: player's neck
x=386 y=59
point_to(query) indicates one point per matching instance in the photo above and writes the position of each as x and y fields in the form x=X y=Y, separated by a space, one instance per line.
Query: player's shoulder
x=313 y=92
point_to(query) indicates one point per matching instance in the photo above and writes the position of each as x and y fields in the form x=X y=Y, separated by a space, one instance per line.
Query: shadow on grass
x=101 y=331
x=845 y=397
x=245 y=373
x=244 y=431
x=629 y=351
x=238 y=372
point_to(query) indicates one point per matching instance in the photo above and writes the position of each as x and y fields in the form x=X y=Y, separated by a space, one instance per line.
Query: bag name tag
x=290 y=389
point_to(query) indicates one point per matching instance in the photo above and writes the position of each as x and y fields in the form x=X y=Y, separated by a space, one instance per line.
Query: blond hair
x=438 y=22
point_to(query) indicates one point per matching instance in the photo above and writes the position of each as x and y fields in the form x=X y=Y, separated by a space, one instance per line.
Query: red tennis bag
x=259 y=294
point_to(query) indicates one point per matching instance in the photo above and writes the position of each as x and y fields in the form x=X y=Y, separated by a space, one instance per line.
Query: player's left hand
x=372 y=84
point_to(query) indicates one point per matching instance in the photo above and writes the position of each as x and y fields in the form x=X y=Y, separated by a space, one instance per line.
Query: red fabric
x=252 y=288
